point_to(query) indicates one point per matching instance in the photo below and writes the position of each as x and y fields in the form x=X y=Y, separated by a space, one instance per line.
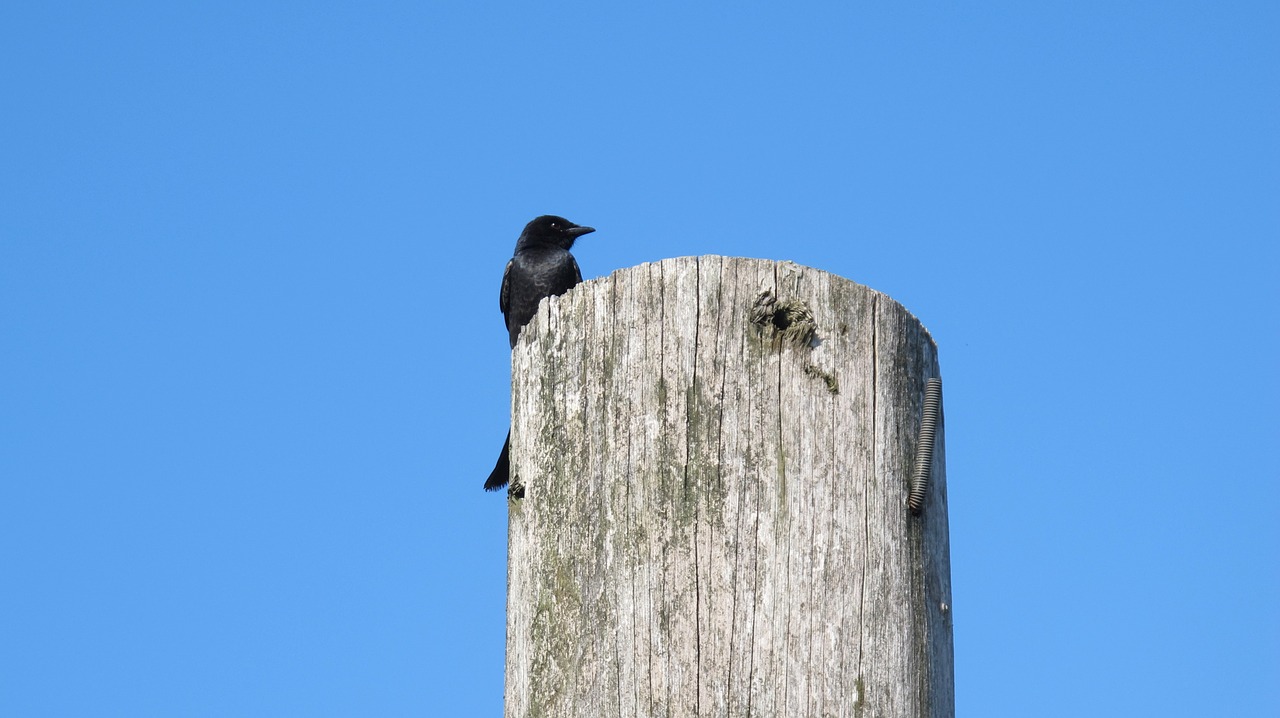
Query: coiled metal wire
x=923 y=467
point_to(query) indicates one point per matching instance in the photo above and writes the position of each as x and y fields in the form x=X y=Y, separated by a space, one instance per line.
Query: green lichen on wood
x=554 y=665
x=703 y=484
x=828 y=378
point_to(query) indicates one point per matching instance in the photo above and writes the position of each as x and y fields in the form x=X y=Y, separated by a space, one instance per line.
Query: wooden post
x=716 y=454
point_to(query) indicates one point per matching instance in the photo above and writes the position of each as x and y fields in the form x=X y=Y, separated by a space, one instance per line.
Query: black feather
x=542 y=267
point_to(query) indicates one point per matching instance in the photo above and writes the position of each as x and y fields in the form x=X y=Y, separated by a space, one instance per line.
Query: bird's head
x=552 y=230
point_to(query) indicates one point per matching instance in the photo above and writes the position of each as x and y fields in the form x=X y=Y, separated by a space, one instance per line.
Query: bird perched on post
x=542 y=267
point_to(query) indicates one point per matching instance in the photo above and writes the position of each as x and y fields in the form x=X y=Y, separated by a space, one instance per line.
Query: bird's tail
x=502 y=470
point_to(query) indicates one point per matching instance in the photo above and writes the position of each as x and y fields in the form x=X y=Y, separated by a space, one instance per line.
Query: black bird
x=542 y=267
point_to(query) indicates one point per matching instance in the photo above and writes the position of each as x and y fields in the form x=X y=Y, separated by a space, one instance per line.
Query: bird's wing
x=504 y=298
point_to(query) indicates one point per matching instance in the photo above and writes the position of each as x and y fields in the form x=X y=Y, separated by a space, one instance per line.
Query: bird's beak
x=576 y=232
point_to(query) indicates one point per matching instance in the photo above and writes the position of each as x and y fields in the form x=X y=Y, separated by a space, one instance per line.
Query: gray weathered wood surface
x=715 y=519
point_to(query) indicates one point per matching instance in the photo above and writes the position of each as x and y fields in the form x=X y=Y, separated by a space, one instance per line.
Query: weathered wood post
x=716 y=453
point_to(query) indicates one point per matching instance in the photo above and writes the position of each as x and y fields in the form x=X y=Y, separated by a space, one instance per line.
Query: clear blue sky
x=252 y=369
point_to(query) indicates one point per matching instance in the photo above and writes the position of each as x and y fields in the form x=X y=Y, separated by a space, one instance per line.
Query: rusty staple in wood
x=924 y=446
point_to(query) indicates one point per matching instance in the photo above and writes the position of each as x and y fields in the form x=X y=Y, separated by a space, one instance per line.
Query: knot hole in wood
x=789 y=320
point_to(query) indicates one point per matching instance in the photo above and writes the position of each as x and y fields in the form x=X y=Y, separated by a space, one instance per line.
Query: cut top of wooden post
x=716 y=454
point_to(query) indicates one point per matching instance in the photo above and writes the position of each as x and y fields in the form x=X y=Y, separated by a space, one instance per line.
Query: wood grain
x=715 y=517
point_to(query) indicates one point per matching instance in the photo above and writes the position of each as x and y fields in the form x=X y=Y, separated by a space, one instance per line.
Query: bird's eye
x=555 y=225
